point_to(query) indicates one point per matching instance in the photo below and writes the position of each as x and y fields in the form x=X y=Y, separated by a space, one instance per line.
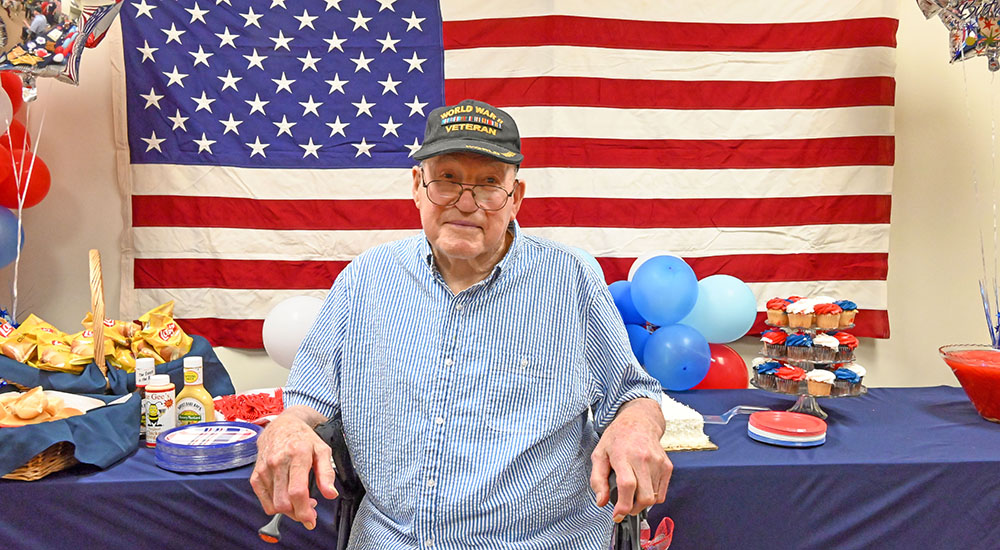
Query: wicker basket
x=59 y=456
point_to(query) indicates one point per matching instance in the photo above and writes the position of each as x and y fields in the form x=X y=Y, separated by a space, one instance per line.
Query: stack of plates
x=207 y=446
x=787 y=429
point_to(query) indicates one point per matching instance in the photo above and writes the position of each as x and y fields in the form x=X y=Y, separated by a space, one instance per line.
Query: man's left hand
x=631 y=447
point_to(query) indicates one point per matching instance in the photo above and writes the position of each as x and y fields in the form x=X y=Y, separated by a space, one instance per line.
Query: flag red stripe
x=566 y=30
x=181 y=211
x=674 y=94
x=238 y=333
x=310 y=275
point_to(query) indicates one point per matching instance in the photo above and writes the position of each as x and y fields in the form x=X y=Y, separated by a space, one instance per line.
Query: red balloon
x=16 y=136
x=12 y=85
x=727 y=371
x=19 y=162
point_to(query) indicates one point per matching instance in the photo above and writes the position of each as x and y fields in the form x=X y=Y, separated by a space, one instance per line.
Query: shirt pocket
x=527 y=395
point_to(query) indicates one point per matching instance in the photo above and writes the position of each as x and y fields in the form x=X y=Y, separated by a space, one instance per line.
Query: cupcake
x=824 y=348
x=763 y=373
x=788 y=379
x=820 y=382
x=861 y=372
x=848 y=343
x=827 y=315
x=798 y=347
x=774 y=343
x=800 y=313
x=776 y=314
x=847 y=382
x=848 y=310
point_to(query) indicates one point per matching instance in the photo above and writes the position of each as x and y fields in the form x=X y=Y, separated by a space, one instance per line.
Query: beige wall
x=934 y=259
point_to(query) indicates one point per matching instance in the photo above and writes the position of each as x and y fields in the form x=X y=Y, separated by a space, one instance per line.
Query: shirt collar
x=426 y=254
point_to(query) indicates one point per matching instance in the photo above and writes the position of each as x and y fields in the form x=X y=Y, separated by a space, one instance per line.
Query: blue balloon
x=637 y=337
x=590 y=259
x=8 y=237
x=725 y=310
x=620 y=291
x=664 y=289
x=678 y=356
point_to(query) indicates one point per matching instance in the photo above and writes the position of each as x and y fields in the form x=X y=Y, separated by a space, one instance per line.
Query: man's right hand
x=286 y=452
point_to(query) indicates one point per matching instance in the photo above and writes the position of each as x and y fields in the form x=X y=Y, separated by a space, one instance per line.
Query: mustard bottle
x=194 y=403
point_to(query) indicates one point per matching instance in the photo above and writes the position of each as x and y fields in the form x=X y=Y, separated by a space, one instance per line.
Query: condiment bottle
x=161 y=411
x=145 y=367
x=194 y=403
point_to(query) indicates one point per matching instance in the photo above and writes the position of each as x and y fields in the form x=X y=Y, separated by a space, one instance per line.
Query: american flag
x=270 y=141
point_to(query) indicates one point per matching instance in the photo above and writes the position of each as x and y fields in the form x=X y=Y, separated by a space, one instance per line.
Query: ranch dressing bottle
x=194 y=403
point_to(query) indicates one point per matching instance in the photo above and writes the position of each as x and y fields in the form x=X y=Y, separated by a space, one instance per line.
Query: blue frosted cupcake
x=763 y=373
x=799 y=347
x=848 y=311
x=847 y=383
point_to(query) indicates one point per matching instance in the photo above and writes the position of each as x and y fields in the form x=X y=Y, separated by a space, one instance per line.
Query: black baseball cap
x=471 y=127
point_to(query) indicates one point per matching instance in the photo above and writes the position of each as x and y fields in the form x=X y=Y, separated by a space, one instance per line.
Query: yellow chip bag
x=123 y=359
x=82 y=344
x=140 y=348
x=166 y=309
x=55 y=355
x=166 y=337
x=19 y=345
x=120 y=332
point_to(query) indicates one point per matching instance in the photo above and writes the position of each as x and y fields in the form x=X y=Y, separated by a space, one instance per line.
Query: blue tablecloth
x=902 y=468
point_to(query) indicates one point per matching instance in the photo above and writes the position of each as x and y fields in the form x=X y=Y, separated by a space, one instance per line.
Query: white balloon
x=286 y=325
x=645 y=256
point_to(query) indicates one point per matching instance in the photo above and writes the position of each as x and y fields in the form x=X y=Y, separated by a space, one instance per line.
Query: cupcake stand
x=806 y=402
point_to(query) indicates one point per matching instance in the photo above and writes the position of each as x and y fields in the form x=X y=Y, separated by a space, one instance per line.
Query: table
x=901 y=468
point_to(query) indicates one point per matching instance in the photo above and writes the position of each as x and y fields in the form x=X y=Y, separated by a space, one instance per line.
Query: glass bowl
x=977 y=367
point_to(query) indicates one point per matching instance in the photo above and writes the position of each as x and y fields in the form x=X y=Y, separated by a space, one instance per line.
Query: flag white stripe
x=254 y=244
x=572 y=61
x=396 y=183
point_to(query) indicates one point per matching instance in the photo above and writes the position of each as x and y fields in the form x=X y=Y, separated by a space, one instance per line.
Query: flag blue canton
x=284 y=83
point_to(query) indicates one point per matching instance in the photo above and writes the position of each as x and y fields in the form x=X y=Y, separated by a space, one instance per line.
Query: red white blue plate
x=787 y=429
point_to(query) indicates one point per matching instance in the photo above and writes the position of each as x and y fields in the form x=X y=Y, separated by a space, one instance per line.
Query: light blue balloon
x=590 y=259
x=620 y=291
x=725 y=310
x=664 y=289
x=678 y=356
x=637 y=337
x=8 y=237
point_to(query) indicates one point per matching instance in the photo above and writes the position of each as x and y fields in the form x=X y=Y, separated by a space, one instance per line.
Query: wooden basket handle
x=97 y=306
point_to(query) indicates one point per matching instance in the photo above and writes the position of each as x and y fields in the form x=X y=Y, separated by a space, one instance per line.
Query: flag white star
x=390 y=127
x=152 y=99
x=201 y=56
x=388 y=43
x=173 y=34
x=256 y=104
x=255 y=59
x=251 y=18
x=337 y=127
x=257 y=148
x=229 y=81
x=389 y=85
x=310 y=106
x=278 y=3
x=363 y=107
x=204 y=144
x=147 y=52
x=231 y=125
x=217 y=2
x=310 y=148
x=203 y=102
x=153 y=142
x=360 y=21
x=178 y=121
x=309 y=62
x=306 y=20
x=285 y=127
x=332 y=4
x=175 y=77
x=144 y=9
x=198 y=14
x=414 y=63
x=227 y=38
x=362 y=62
x=416 y=106
x=335 y=43
x=281 y=41
x=363 y=148
x=414 y=147
x=386 y=5
x=283 y=83
x=413 y=22
x=337 y=84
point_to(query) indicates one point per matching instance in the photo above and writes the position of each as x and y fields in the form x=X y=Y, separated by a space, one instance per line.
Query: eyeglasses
x=448 y=193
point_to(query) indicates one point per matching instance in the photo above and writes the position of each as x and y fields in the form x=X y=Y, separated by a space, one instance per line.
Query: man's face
x=463 y=231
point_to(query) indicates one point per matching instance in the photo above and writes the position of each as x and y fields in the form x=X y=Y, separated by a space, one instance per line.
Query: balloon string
x=22 y=195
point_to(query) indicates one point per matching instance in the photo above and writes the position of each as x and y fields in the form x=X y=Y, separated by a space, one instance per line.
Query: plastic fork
x=725 y=417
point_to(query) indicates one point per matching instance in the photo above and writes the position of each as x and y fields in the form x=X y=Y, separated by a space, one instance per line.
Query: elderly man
x=464 y=362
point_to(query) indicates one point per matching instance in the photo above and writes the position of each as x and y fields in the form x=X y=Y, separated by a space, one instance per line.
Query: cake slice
x=685 y=428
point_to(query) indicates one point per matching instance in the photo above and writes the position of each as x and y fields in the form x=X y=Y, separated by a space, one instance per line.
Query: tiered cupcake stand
x=806 y=402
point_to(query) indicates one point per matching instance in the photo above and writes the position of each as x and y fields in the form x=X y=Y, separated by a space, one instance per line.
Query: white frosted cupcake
x=820 y=381
x=801 y=314
x=825 y=348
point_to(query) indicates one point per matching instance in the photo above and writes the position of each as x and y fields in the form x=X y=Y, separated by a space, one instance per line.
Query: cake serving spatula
x=725 y=417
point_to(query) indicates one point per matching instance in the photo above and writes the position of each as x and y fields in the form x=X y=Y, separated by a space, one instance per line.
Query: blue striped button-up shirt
x=466 y=414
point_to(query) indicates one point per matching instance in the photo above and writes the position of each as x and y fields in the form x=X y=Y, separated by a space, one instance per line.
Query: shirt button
x=439 y=420
x=448 y=362
x=429 y=542
x=459 y=307
x=524 y=361
x=431 y=483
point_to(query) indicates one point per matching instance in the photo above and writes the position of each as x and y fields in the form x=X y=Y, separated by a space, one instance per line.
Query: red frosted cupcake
x=776 y=314
x=774 y=343
x=827 y=315
x=789 y=379
x=848 y=343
